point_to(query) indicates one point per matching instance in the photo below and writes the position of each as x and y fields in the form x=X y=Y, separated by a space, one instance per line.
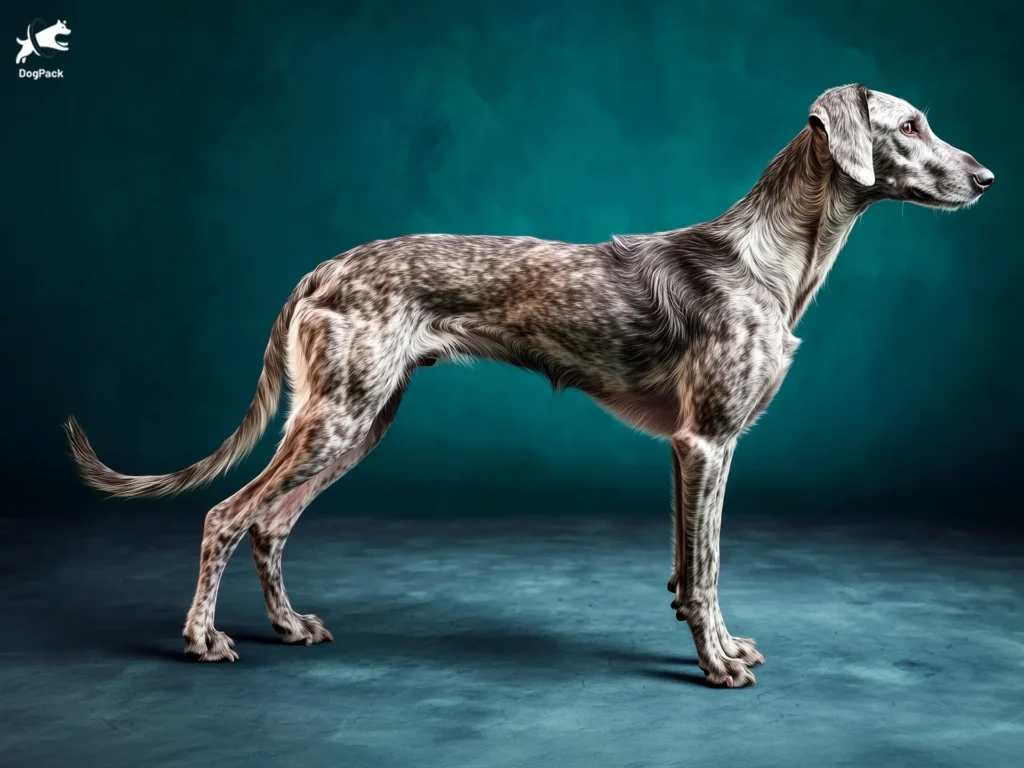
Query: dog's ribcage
x=657 y=328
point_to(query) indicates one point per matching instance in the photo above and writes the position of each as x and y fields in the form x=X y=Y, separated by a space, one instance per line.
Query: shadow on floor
x=424 y=636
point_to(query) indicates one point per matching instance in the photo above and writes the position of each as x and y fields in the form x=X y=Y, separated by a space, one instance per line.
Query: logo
x=41 y=41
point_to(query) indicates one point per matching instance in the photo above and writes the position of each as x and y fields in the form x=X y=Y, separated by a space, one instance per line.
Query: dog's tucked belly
x=652 y=414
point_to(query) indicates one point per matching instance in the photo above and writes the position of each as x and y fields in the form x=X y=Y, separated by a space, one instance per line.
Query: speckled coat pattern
x=685 y=334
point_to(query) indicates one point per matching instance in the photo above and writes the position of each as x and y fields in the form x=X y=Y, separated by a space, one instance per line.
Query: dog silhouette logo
x=41 y=40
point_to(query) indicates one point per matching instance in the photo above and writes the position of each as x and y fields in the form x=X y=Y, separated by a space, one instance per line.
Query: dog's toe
x=727 y=673
x=210 y=645
x=744 y=649
x=306 y=629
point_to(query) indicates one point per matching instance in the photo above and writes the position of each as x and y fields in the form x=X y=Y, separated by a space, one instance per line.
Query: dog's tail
x=233 y=450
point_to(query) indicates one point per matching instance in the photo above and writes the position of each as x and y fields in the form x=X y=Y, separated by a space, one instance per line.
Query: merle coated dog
x=685 y=334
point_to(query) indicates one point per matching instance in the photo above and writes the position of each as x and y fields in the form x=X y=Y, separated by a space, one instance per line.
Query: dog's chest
x=729 y=377
x=774 y=374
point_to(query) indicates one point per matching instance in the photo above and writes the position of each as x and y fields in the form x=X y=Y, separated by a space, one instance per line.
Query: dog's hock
x=842 y=113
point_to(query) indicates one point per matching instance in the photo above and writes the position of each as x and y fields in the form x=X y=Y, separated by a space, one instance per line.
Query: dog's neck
x=791 y=226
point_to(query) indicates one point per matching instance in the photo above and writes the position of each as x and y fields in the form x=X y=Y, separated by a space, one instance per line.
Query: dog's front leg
x=678 y=582
x=702 y=467
x=742 y=648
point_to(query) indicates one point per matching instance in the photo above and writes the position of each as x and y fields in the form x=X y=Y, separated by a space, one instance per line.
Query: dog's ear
x=842 y=113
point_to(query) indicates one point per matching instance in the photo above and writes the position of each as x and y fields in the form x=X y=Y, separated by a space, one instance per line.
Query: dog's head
x=888 y=149
x=60 y=28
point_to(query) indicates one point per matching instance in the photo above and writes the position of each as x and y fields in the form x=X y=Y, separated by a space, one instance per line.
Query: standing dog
x=685 y=334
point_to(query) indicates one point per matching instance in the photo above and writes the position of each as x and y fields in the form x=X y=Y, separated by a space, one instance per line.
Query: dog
x=685 y=334
x=45 y=38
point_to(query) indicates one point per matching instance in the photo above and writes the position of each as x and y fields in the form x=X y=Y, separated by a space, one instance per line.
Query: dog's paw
x=304 y=630
x=726 y=673
x=210 y=645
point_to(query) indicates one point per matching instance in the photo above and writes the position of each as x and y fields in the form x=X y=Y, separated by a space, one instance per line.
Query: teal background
x=198 y=158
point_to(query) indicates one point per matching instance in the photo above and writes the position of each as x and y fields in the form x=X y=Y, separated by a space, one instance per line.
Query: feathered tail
x=233 y=450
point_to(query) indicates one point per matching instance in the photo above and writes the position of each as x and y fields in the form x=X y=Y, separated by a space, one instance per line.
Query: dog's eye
x=908 y=128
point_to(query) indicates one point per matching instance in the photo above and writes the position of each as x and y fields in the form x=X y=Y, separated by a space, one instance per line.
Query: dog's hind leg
x=341 y=383
x=270 y=533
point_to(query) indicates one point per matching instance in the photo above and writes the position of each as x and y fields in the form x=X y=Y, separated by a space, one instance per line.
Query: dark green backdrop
x=198 y=158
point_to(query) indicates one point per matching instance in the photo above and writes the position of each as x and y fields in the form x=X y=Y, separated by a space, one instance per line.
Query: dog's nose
x=984 y=178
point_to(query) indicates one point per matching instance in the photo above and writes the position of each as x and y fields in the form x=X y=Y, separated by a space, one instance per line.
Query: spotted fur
x=685 y=334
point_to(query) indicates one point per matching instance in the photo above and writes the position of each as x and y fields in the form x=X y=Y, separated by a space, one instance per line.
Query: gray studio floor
x=516 y=643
